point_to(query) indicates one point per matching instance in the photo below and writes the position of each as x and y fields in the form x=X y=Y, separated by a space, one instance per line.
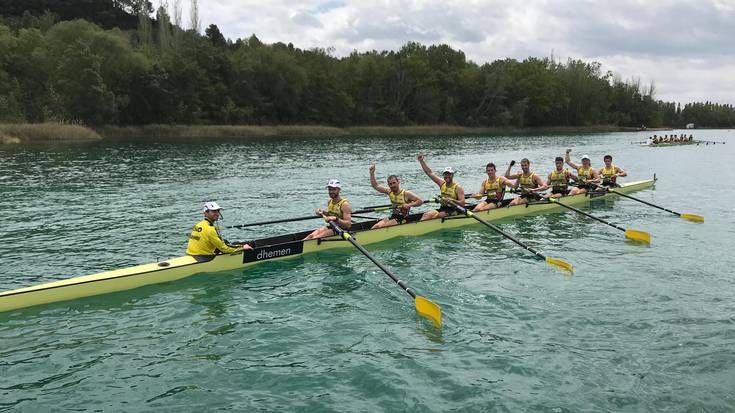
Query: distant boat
x=690 y=126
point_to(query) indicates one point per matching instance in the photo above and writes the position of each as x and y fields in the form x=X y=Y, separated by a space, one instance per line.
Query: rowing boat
x=658 y=145
x=266 y=249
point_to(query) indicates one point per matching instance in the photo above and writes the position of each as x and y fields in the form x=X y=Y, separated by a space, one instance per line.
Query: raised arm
x=374 y=182
x=428 y=171
x=568 y=159
x=507 y=171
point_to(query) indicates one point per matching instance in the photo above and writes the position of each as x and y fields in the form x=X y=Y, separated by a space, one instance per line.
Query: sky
x=687 y=48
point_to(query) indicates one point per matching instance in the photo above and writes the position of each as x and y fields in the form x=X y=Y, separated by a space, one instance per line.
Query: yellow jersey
x=527 y=181
x=494 y=190
x=206 y=240
x=334 y=209
x=559 y=180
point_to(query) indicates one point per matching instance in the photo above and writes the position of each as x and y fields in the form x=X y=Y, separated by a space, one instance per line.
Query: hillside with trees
x=119 y=63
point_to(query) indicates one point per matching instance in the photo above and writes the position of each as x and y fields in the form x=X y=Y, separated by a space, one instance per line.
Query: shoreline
x=26 y=133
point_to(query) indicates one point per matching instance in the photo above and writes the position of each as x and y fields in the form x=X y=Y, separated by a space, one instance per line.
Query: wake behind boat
x=276 y=248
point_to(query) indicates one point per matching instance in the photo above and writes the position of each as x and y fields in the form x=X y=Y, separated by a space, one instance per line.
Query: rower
x=493 y=188
x=528 y=181
x=586 y=173
x=205 y=241
x=338 y=210
x=449 y=190
x=400 y=199
x=610 y=172
x=559 y=179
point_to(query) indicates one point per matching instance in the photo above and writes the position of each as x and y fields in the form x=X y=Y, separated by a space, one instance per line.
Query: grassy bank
x=14 y=133
x=56 y=132
x=227 y=131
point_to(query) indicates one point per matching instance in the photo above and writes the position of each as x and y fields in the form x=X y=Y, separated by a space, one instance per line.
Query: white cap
x=448 y=170
x=212 y=206
x=587 y=157
x=334 y=183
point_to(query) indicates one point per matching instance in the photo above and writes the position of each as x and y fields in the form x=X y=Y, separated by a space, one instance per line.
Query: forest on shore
x=122 y=63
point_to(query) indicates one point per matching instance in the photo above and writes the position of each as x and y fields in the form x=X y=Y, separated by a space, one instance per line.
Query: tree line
x=154 y=71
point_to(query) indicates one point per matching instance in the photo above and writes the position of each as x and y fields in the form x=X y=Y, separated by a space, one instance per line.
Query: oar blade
x=693 y=217
x=560 y=263
x=636 y=235
x=427 y=309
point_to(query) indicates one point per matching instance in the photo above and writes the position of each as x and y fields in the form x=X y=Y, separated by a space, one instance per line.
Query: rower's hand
x=404 y=209
x=477 y=195
x=513 y=162
x=372 y=168
x=421 y=157
x=330 y=218
x=569 y=151
x=246 y=247
x=319 y=211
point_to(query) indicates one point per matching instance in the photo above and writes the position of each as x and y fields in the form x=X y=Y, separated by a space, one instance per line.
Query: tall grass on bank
x=11 y=133
x=215 y=131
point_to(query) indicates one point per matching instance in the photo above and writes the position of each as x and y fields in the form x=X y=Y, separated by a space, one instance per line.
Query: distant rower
x=449 y=189
x=400 y=199
x=587 y=175
x=610 y=172
x=528 y=181
x=492 y=188
x=338 y=210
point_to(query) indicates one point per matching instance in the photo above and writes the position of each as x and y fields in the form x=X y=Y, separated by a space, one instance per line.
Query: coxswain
x=205 y=241
x=492 y=188
x=559 y=180
x=528 y=181
x=401 y=200
x=587 y=175
x=609 y=173
x=338 y=210
x=450 y=190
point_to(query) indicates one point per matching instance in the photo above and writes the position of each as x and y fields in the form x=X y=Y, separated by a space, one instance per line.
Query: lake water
x=635 y=328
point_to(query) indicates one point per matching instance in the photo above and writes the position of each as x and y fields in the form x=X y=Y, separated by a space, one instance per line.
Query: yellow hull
x=286 y=247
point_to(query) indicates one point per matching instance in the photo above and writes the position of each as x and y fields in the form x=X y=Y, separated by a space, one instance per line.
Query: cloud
x=685 y=46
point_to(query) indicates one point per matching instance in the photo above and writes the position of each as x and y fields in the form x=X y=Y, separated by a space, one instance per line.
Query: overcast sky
x=686 y=47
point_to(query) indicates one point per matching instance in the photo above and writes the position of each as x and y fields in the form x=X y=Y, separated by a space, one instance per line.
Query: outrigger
x=272 y=248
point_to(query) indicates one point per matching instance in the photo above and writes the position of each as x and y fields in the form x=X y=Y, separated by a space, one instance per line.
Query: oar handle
x=347 y=237
x=496 y=229
x=579 y=211
x=639 y=200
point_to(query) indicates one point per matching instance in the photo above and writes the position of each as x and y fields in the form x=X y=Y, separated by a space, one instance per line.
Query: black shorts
x=497 y=202
x=609 y=184
x=529 y=195
x=398 y=217
x=448 y=209
x=563 y=192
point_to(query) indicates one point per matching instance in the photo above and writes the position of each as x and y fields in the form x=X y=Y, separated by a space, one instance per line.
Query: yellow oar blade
x=426 y=308
x=559 y=263
x=693 y=217
x=638 y=235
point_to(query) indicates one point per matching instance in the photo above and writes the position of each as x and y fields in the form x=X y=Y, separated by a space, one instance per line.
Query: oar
x=425 y=307
x=278 y=221
x=553 y=261
x=690 y=217
x=629 y=233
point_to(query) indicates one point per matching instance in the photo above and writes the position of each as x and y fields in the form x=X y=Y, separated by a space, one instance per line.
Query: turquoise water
x=634 y=329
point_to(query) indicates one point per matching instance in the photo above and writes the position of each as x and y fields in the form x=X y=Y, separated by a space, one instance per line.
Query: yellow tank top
x=584 y=173
x=449 y=191
x=335 y=209
x=608 y=174
x=397 y=199
x=527 y=181
x=493 y=190
x=559 y=180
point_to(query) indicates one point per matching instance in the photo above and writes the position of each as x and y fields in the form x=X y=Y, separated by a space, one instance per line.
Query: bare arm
x=346 y=221
x=568 y=160
x=540 y=184
x=481 y=192
x=572 y=176
x=507 y=171
x=428 y=171
x=374 y=182
x=413 y=200
x=460 y=195
x=620 y=172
